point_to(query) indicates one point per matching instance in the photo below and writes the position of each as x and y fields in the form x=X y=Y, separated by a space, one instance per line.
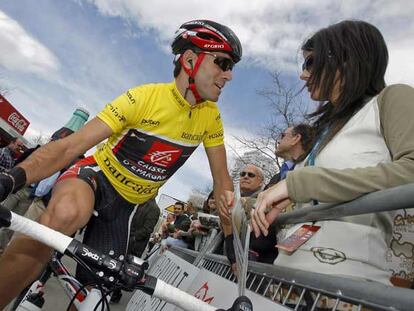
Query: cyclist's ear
x=190 y=61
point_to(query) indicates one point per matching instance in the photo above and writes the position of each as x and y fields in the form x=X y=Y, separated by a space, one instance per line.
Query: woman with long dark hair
x=365 y=143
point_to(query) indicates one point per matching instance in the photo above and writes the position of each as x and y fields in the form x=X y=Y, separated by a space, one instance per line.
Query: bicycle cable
x=103 y=301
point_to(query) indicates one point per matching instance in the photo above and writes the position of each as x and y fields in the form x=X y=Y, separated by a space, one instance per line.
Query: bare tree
x=3 y=89
x=199 y=194
x=38 y=139
x=286 y=108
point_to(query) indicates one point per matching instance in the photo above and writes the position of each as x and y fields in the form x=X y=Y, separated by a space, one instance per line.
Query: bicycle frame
x=129 y=273
x=82 y=298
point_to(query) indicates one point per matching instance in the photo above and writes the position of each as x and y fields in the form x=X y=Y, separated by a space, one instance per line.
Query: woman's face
x=315 y=90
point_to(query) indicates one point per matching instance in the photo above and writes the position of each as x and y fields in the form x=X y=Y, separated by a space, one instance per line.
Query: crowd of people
x=359 y=140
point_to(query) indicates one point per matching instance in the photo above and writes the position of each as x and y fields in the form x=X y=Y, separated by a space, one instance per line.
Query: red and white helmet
x=207 y=35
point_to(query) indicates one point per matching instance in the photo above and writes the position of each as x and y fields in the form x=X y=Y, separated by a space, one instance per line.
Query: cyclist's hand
x=225 y=203
x=6 y=185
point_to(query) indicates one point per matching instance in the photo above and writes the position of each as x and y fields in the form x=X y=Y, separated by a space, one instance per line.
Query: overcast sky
x=56 y=55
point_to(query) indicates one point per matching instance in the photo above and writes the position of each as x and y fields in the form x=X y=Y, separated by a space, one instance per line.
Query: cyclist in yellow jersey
x=152 y=130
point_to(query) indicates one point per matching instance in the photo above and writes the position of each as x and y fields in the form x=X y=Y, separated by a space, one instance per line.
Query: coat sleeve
x=147 y=222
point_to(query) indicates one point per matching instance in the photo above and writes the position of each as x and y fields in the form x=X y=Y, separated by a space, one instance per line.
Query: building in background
x=12 y=123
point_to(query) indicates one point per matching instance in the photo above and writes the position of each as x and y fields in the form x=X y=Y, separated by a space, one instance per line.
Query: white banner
x=201 y=283
x=171 y=269
x=221 y=292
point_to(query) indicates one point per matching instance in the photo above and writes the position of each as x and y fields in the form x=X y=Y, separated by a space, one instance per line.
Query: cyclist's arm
x=222 y=184
x=56 y=155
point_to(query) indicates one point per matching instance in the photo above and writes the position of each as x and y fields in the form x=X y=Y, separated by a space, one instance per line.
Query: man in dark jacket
x=292 y=146
x=142 y=225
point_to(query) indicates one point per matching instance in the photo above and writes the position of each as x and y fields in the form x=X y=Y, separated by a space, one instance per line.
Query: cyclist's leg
x=69 y=209
x=109 y=230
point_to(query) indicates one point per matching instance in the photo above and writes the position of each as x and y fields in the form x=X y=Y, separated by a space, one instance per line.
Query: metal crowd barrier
x=302 y=290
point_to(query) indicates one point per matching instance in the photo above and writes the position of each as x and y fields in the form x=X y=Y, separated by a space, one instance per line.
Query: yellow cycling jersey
x=155 y=130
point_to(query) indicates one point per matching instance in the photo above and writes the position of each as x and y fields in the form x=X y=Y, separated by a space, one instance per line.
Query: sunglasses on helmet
x=251 y=175
x=308 y=64
x=224 y=63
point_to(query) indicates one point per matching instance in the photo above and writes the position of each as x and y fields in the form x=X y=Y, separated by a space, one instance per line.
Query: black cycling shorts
x=109 y=227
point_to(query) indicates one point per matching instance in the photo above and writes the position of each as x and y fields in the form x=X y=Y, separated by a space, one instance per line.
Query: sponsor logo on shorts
x=328 y=255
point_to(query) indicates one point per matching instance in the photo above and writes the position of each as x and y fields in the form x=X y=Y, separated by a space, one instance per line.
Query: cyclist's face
x=210 y=78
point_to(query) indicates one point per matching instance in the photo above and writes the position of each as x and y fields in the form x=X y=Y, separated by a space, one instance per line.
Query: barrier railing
x=380 y=201
x=304 y=290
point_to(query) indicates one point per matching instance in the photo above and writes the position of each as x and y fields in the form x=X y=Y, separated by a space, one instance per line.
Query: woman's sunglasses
x=308 y=64
x=251 y=175
x=224 y=63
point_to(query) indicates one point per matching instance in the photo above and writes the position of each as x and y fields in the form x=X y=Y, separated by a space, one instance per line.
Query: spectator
x=181 y=225
x=26 y=154
x=364 y=144
x=17 y=202
x=168 y=223
x=8 y=154
x=190 y=211
x=142 y=225
x=209 y=205
x=262 y=249
x=251 y=181
x=292 y=146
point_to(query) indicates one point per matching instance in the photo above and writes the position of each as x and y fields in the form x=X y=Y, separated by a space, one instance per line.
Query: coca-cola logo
x=17 y=122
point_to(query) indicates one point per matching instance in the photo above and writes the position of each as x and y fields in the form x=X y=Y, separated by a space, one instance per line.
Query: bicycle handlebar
x=130 y=274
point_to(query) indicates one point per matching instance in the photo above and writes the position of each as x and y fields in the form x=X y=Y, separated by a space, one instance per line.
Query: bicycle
x=127 y=273
x=32 y=298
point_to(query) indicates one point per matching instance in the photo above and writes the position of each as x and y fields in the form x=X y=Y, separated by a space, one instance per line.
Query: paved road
x=56 y=299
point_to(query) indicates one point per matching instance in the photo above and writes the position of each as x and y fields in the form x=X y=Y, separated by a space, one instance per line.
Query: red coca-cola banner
x=12 y=116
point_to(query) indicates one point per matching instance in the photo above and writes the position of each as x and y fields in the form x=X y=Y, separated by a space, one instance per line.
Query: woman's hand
x=269 y=205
